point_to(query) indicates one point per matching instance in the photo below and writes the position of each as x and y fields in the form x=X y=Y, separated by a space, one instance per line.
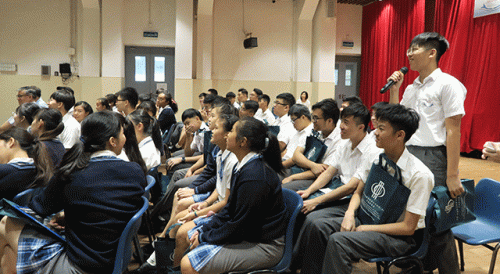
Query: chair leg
x=138 y=249
x=461 y=251
x=493 y=258
x=379 y=268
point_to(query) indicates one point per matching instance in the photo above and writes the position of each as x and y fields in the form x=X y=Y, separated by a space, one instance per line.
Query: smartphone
x=489 y=147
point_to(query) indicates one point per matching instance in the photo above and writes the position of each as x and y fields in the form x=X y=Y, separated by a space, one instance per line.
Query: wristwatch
x=183 y=159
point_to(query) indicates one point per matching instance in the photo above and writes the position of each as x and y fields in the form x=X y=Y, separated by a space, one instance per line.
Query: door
x=346 y=77
x=149 y=68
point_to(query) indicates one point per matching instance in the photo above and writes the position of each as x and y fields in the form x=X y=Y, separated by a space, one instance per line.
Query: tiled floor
x=477 y=258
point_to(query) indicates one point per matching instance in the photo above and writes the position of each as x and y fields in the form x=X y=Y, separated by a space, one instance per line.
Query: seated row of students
x=89 y=171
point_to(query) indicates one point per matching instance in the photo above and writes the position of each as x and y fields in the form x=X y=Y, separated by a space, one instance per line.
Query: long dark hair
x=131 y=147
x=27 y=110
x=171 y=102
x=261 y=141
x=96 y=130
x=36 y=150
x=53 y=124
x=151 y=127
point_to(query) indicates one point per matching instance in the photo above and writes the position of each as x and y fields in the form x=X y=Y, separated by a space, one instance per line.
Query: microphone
x=389 y=84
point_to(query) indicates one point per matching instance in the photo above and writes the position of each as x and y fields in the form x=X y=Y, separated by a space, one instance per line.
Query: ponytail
x=53 y=125
x=272 y=153
x=35 y=150
x=151 y=126
x=131 y=147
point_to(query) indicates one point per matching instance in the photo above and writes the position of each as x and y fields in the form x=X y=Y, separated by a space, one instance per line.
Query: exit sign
x=150 y=34
x=347 y=44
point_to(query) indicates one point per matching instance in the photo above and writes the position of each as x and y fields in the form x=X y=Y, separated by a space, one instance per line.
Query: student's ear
x=401 y=134
x=433 y=54
x=244 y=142
x=42 y=123
x=11 y=142
x=140 y=126
x=112 y=141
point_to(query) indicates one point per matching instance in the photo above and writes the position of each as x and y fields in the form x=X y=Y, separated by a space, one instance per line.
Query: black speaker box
x=65 y=68
x=250 y=42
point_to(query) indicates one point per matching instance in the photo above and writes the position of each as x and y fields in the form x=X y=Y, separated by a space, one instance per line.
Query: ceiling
x=356 y=2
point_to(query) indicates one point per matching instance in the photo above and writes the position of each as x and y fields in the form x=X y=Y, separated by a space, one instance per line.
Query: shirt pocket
x=428 y=107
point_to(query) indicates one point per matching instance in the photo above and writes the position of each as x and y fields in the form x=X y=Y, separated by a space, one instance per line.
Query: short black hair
x=65 y=97
x=219 y=101
x=359 y=112
x=213 y=91
x=329 y=108
x=265 y=97
x=251 y=105
x=230 y=95
x=104 y=102
x=209 y=99
x=34 y=91
x=243 y=91
x=190 y=113
x=258 y=91
x=378 y=105
x=353 y=100
x=28 y=111
x=287 y=98
x=145 y=97
x=203 y=94
x=86 y=106
x=70 y=90
x=129 y=94
x=111 y=98
x=299 y=110
x=400 y=118
x=432 y=40
x=305 y=92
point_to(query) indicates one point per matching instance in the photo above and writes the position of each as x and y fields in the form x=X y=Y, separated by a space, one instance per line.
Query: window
x=140 y=68
x=159 y=69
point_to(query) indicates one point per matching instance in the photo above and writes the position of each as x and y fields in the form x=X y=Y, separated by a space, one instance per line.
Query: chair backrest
x=487 y=200
x=151 y=182
x=293 y=204
x=422 y=250
x=23 y=198
x=124 y=250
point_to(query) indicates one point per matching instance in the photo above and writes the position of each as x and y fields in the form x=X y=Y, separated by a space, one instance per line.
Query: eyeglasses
x=414 y=50
x=294 y=120
x=21 y=95
x=278 y=103
x=316 y=118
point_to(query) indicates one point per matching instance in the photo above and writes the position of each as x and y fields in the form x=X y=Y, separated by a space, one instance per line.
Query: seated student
x=232 y=98
x=149 y=107
x=82 y=110
x=282 y=105
x=24 y=163
x=248 y=108
x=147 y=133
x=208 y=102
x=301 y=119
x=89 y=172
x=374 y=118
x=226 y=162
x=126 y=100
x=112 y=101
x=324 y=117
x=23 y=117
x=265 y=114
x=46 y=126
x=63 y=101
x=194 y=128
x=27 y=94
x=167 y=108
x=242 y=96
x=102 y=104
x=342 y=240
x=248 y=233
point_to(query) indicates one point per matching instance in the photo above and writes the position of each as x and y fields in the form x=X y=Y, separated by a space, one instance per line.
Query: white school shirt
x=258 y=115
x=299 y=139
x=416 y=176
x=332 y=142
x=150 y=154
x=228 y=161
x=236 y=105
x=71 y=133
x=347 y=160
x=197 y=143
x=440 y=96
x=287 y=131
x=268 y=117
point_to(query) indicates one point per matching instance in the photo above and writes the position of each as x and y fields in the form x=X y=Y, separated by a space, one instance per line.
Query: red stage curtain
x=474 y=59
x=387 y=30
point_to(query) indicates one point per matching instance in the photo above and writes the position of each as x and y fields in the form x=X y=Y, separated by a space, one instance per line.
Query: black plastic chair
x=414 y=258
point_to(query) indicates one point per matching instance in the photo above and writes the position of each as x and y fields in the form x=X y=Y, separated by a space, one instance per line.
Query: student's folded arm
x=322 y=180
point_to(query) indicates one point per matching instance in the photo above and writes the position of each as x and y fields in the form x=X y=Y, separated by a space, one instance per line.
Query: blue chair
x=124 y=250
x=24 y=197
x=486 y=228
x=417 y=256
x=147 y=193
x=293 y=204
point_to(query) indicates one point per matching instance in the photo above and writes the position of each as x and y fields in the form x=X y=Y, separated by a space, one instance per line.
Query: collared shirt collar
x=246 y=159
x=22 y=160
x=103 y=153
x=432 y=77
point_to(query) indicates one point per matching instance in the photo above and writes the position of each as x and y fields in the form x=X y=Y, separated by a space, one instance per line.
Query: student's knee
x=186 y=267
x=182 y=234
x=185 y=203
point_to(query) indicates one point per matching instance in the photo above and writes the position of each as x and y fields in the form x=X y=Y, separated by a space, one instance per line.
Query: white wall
x=349 y=19
x=34 y=33
x=270 y=23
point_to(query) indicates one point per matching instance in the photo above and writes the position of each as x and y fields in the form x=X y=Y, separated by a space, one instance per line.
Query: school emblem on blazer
x=378 y=190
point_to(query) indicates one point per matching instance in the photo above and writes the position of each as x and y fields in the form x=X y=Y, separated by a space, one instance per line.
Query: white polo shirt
x=226 y=161
x=150 y=154
x=71 y=133
x=266 y=116
x=347 y=160
x=287 y=131
x=197 y=143
x=440 y=96
x=299 y=139
x=416 y=176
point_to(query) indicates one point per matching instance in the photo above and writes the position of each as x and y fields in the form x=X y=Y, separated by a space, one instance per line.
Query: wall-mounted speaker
x=65 y=68
x=250 y=43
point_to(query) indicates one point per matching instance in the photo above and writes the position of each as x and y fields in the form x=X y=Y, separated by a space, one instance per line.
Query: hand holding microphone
x=395 y=77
